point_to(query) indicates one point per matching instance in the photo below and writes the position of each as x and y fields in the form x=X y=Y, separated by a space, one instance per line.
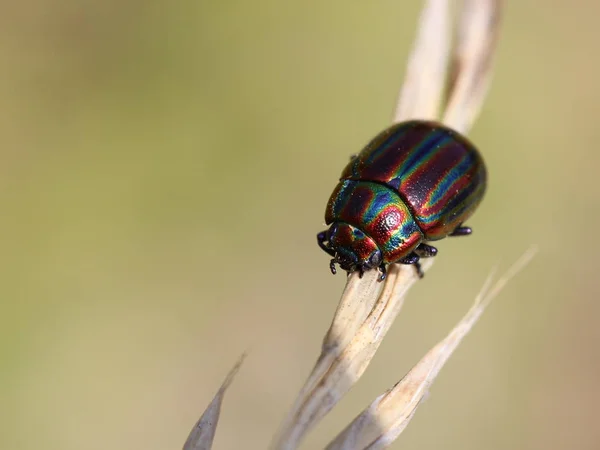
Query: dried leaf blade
x=424 y=81
x=367 y=309
x=339 y=367
x=389 y=414
x=202 y=435
x=471 y=69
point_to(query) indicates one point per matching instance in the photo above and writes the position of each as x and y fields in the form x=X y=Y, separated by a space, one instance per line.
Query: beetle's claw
x=383 y=271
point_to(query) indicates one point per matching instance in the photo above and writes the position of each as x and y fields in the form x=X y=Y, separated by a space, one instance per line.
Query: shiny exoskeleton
x=415 y=182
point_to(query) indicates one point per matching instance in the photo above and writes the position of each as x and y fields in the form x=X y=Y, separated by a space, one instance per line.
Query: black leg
x=413 y=258
x=383 y=271
x=321 y=238
x=332 y=266
x=462 y=231
x=426 y=251
x=419 y=270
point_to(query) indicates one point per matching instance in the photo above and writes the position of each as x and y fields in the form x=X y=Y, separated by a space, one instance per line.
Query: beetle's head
x=354 y=250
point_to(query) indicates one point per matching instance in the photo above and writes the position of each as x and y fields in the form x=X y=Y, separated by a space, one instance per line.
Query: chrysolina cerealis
x=415 y=182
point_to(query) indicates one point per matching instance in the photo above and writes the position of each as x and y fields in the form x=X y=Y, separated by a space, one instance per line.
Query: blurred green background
x=165 y=168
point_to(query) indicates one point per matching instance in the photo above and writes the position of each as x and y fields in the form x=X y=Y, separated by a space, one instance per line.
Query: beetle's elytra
x=415 y=182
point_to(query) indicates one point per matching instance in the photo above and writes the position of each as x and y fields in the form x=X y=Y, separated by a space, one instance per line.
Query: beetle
x=415 y=182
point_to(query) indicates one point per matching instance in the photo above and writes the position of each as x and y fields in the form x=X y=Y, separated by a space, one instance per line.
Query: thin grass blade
x=367 y=308
x=388 y=415
x=471 y=69
x=425 y=78
x=202 y=435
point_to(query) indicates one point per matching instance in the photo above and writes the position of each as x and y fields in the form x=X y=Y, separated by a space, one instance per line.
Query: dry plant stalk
x=389 y=414
x=368 y=308
x=202 y=435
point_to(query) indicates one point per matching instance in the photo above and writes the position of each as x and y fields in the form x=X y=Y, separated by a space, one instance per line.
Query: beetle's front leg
x=332 y=266
x=321 y=239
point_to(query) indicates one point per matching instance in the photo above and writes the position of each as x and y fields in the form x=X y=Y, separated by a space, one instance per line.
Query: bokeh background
x=165 y=168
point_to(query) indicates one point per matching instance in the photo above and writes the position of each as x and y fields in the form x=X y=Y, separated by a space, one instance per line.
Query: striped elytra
x=415 y=182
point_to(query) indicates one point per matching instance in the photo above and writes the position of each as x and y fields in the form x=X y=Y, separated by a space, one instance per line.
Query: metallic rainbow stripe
x=437 y=172
x=377 y=211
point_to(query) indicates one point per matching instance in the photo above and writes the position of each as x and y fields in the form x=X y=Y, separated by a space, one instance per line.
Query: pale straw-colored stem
x=202 y=435
x=367 y=308
x=364 y=315
x=426 y=72
x=389 y=414
x=472 y=59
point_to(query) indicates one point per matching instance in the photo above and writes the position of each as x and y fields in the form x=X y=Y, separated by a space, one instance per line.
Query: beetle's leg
x=426 y=251
x=332 y=266
x=321 y=238
x=412 y=258
x=462 y=231
x=419 y=270
x=383 y=271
